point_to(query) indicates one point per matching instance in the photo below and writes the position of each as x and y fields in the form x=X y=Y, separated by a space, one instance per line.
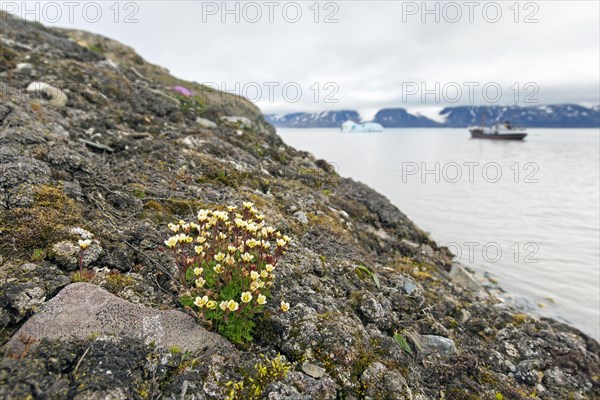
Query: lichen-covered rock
x=437 y=345
x=377 y=310
x=66 y=254
x=24 y=289
x=81 y=310
x=237 y=121
x=54 y=96
x=206 y=123
x=381 y=383
x=461 y=277
x=313 y=370
x=99 y=368
x=301 y=217
x=323 y=388
x=281 y=391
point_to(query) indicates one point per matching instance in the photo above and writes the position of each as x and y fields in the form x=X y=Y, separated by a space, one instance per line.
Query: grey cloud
x=370 y=52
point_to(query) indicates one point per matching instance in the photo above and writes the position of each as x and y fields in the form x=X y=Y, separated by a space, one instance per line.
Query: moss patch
x=116 y=282
x=23 y=230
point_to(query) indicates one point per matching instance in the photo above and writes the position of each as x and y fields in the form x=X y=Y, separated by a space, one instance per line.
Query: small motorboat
x=504 y=131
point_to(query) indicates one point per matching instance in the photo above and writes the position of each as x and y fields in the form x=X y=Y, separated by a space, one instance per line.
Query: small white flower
x=219 y=269
x=171 y=242
x=262 y=299
x=201 y=301
x=84 y=244
x=232 y=305
x=246 y=297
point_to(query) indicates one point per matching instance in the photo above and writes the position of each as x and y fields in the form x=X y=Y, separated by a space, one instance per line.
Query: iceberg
x=351 y=126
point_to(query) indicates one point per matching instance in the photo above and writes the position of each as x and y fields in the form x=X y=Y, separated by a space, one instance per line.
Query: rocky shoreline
x=95 y=143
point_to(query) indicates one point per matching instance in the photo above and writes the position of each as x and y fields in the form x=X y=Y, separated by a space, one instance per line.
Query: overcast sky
x=378 y=53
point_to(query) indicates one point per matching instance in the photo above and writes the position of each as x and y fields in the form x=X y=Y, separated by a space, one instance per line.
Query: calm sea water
x=526 y=214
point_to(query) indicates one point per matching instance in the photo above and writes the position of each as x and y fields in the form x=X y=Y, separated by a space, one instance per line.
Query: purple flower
x=183 y=91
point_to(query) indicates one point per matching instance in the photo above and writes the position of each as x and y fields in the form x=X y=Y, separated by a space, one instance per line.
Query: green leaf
x=415 y=338
x=376 y=280
x=361 y=271
x=403 y=343
x=187 y=301
x=189 y=274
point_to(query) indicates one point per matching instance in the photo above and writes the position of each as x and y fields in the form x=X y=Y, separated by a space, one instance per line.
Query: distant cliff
x=400 y=118
x=542 y=116
x=325 y=119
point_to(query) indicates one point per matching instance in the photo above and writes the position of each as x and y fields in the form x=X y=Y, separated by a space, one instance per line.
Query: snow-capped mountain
x=400 y=118
x=325 y=119
x=542 y=116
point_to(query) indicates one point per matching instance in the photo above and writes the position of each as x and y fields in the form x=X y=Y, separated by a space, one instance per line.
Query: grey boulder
x=431 y=344
x=466 y=280
x=54 y=96
x=237 y=121
x=82 y=310
x=206 y=123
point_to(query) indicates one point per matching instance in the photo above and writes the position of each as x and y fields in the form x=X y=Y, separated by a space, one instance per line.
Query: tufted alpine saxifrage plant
x=227 y=261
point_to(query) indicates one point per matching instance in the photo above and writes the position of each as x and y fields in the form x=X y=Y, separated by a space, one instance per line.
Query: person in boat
x=507 y=125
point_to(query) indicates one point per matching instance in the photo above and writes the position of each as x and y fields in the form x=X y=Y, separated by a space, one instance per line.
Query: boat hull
x=479 y=134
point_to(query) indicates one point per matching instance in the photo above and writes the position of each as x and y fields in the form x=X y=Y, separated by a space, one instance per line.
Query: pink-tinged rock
x=82 y=310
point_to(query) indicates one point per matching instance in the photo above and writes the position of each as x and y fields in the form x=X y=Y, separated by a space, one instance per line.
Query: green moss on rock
x=24 y=230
